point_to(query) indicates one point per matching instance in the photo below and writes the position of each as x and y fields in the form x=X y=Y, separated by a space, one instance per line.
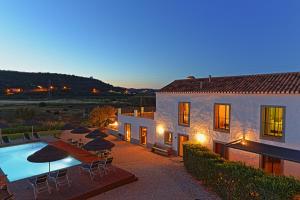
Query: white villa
x=252 y=118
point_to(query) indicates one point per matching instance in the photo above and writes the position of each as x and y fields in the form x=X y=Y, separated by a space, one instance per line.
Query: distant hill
x=41 y=84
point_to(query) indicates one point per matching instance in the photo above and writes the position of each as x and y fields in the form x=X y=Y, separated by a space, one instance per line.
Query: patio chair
x=102 y=166
x=40 y=184
x=36 y=136
x=6 y=194
x=92 y=168
x=60 y=178
x=5 y=139
x=108 y=165
x=27 y=137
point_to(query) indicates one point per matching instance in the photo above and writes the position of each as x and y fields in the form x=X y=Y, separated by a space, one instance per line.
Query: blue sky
x=149 y=43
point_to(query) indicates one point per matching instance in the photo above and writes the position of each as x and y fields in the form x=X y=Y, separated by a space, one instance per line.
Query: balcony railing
x=137 y=113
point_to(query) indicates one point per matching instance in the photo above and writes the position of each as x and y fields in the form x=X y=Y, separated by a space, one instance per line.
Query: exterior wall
x=245 y=121
x=136 y=123
x=245 y=116
x=251 y=159
x=291 y=169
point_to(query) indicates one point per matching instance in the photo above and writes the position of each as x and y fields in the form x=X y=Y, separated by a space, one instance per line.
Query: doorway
x=272 y=165
x=181 y=140
x=221 y=149
x=143 y=135
x=127 y=131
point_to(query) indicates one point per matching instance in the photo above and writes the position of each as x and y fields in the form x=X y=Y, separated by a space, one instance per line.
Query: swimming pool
x=13 y=161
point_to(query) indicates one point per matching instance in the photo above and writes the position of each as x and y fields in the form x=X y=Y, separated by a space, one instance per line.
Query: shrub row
x=235 y=180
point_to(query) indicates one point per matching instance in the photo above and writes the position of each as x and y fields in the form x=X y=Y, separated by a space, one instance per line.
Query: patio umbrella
x=68 y=126
x=80 y=130
x=49 y=154
x=98 y=144
x=96 y=133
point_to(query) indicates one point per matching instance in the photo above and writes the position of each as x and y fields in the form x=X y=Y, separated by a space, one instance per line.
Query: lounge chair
x=60 y=178
x=40 y=184
x=27 y=136
x=36 y=136
x=6 y=194
x=92 y=168
x=5 y=139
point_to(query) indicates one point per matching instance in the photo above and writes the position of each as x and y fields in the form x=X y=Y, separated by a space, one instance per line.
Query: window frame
x=262 y=125
x=169 y=144
x=214 y=118
x=189 y=116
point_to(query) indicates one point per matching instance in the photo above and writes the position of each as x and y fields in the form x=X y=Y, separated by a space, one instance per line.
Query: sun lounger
x=92 y=168
x=27 y=137
x=40 y=184
x=60 y=178
x=36 y=136
x=5 y=139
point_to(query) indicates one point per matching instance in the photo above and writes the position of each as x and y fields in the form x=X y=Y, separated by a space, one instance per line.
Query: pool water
x=13 y=161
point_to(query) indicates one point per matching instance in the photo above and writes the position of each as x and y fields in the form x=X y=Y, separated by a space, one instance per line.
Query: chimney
x=190 y=77
x=209 y=78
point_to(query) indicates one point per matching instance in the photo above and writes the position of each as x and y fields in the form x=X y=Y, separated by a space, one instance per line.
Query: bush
x=235 y=180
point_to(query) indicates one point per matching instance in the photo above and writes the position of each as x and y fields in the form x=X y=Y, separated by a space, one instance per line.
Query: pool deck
x=82 y=187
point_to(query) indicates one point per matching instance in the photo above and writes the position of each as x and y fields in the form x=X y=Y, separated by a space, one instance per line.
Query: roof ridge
x=242 y=75
x=272 y=83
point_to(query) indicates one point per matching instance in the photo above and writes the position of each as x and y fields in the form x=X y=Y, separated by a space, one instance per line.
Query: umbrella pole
x=49 y=167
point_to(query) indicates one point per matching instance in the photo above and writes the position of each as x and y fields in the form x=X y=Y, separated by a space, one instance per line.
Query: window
x=222 y=117
x=273 y=121
x=184 y=113
x=168 y=137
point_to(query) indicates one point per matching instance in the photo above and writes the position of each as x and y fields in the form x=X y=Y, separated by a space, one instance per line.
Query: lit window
x=272 y=121
x=184 y=113
x=222 y=117
x=168 y=138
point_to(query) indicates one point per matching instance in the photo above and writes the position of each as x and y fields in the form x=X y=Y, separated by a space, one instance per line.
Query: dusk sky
x=149 y=43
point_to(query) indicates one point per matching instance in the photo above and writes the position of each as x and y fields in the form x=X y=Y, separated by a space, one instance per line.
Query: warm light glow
x=160 y=130
x=40 y=87
x=115 y=124
x=200 y=138
x=51 y=87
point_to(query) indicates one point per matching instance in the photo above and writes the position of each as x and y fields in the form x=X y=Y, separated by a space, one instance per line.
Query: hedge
x=235 y=180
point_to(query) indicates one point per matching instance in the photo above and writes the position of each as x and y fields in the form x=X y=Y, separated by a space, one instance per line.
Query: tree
x=102 y=116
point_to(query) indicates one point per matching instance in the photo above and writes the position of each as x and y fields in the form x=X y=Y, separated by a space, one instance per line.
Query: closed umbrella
x=49 y=154
x=95 y=134
x=98 y=144
x=80 y=130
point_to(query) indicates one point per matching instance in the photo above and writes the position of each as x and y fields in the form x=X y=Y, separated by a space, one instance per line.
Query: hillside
x=22 y=84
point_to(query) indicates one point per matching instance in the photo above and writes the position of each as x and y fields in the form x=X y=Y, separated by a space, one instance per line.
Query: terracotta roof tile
x=288 y=83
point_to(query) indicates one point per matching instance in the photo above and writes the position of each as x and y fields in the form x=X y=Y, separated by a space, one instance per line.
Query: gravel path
x=159 y=177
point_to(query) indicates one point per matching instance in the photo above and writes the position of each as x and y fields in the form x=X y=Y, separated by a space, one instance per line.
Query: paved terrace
x=159 y=177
